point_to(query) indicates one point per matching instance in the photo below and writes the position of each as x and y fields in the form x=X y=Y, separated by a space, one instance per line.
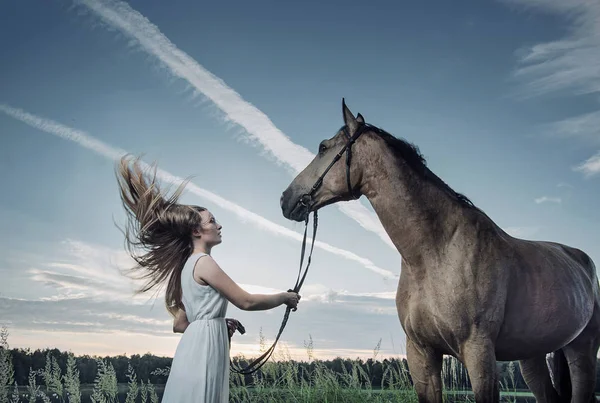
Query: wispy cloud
x=86 y=315
x=86 y=271
x=569 y=65
x=590 y=167
x=113 y=327
x=321 y=293
x=102 y=310
x=547 y=199
x=107 y=151
x=257 y=126
x=80 y=270
x=583 y=127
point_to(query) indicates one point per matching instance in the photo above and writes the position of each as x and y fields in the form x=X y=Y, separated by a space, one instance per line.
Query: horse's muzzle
x=293 y=207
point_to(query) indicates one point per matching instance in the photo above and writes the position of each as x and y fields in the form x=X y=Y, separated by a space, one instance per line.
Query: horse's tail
x=559 y=373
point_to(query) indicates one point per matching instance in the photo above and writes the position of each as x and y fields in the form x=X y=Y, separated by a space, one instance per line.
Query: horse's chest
x=433 y=317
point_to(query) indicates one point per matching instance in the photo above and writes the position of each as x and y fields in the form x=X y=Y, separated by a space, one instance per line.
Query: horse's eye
x=322 y=148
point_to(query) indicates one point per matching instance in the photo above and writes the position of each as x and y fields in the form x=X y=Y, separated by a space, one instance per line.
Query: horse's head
x=332 y=176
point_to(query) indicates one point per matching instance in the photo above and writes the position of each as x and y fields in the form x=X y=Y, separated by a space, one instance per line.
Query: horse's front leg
x=479 y=357
x=425 y=366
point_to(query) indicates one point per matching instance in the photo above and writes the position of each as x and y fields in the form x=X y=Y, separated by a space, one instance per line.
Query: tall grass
x=7 y=380
x=282 y=380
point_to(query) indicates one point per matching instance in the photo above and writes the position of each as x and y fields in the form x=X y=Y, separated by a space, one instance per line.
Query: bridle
x=306 y=201
x=307 y=198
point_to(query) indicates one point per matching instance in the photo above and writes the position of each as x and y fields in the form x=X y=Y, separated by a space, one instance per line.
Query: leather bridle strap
x=260 y=361
x=305 y=200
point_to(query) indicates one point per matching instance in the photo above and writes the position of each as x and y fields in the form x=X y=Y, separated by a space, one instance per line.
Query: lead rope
x=260 y=361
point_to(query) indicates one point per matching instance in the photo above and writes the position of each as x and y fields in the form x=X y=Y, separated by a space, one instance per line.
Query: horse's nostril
x=281 y=200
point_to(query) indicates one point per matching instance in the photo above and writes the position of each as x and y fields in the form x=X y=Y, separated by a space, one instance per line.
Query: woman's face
x=209 y=230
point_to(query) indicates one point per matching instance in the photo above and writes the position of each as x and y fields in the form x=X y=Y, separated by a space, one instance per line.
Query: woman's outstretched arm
x=209 y=272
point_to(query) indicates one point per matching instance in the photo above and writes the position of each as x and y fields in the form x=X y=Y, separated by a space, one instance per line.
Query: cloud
x=89 y=327
x=64 y=281
x=571 y=63
x=568 y=65
x=584 y=127
x=86 y=308
x=590 y=167
x=81 y=271
x=546 y=199
x=107 y=151
x=258 y=128
x=102 y=279
x=84 y=315
x=321 y=293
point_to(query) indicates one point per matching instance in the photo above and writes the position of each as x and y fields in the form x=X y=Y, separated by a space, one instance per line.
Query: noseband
x=306 y=200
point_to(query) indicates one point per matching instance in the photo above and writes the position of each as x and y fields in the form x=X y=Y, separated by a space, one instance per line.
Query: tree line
x=154 y=369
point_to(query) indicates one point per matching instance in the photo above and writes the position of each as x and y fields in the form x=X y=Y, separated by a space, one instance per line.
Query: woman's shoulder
x=201 y=261
x=197 y=255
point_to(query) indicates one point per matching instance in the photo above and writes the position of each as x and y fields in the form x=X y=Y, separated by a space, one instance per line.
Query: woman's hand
x=292 y=299
x=180 y=322
x=233 y=325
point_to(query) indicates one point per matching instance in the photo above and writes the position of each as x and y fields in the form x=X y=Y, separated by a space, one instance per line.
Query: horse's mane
x=410 y=153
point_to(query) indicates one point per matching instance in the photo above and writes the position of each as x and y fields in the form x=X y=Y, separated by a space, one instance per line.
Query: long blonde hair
x=159 y=225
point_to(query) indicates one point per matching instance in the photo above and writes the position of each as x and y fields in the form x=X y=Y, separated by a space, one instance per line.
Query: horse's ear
x=360 y=119
x=349 y=119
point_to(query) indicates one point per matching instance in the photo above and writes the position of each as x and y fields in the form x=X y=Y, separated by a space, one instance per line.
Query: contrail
x=87 y=141
x=257 y=126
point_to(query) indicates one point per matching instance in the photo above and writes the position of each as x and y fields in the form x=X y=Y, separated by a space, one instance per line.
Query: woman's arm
x=208 y=270
x=180 y=323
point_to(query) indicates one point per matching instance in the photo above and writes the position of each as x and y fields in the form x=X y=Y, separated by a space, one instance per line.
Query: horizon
x=500 y=97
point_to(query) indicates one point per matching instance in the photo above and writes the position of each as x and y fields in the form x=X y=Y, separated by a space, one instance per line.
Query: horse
x=467 y=288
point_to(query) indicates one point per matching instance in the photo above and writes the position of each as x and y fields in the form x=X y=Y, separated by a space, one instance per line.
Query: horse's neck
x=418 y=216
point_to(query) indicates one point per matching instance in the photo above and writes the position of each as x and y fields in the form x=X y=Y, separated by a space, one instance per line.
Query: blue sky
x=500 y=96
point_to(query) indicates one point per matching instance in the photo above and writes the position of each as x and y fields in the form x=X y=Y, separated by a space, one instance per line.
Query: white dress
x=200 y=368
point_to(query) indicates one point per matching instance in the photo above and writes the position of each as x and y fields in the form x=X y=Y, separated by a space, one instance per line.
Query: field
x=59 y=380
x=266 y=394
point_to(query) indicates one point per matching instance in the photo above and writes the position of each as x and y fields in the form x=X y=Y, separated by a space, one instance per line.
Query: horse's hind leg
x=536 y=375
x=581 y=356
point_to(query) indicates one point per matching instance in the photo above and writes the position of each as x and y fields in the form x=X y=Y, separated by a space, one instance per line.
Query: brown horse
x=467 y=288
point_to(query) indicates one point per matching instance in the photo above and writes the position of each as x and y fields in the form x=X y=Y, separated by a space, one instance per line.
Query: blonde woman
x=177 y=240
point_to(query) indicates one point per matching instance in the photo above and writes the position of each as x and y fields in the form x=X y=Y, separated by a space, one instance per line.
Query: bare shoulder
x=208 y=272
x=204 y=267
x=205 y=261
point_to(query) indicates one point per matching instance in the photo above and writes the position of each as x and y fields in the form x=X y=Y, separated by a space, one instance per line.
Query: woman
x=178 y=240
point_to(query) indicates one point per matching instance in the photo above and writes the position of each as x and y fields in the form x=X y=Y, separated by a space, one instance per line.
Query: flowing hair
x=160 y=226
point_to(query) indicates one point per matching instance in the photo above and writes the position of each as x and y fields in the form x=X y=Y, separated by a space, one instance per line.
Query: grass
x=279 y=381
